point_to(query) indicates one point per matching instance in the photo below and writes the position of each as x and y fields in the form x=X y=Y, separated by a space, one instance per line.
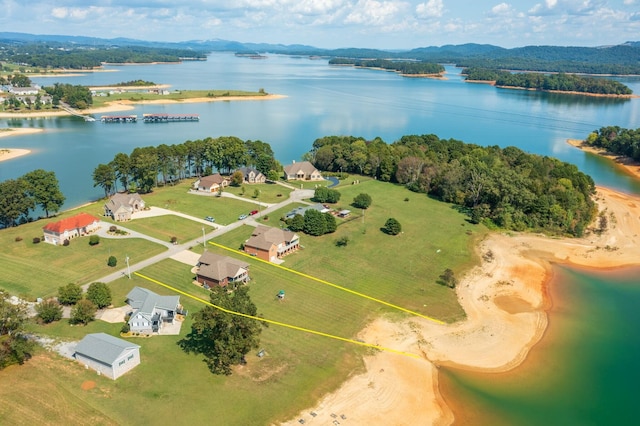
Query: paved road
x=297 y=195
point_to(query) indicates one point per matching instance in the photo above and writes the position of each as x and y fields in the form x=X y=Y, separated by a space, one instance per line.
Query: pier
x=119 y=118
x=165 y=118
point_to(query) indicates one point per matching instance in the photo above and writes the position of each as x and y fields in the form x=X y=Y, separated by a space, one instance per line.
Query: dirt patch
x=88 y=385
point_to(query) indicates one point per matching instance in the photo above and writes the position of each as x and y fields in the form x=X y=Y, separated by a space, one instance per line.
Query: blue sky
x=384 y=24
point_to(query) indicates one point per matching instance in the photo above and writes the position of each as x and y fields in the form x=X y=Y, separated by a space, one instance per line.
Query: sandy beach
x=126 y=105
x=627 y=164
x=9 y=153
x=505 y=299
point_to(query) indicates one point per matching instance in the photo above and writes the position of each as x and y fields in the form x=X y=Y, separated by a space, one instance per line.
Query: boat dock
x=119 y=118
x=165 y=118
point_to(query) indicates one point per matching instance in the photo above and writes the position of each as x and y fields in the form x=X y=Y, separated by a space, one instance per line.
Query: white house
x=108 y=355
x=150 y=310
x=122 y=206
x=66 y=229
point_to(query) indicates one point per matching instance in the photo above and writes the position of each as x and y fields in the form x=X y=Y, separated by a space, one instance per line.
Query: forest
x=552 y=82
x=57 y=55
x=74 y=95
x=616 y=140
x=506 y=188
x=403 y=67
x=147 y=167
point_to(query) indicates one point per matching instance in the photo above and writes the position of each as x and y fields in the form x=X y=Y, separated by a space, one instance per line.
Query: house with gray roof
x=217 y=270
x=303 y=170
x=301 y=210
x=108 y=355
x=252 y=175
x=151 y=311
x=122 y=206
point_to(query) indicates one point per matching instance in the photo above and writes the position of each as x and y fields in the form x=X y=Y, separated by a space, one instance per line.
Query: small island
x=556 y=83
x=404 y=68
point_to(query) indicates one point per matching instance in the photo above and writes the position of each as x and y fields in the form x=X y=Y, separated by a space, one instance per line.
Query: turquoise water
x=321 y=100
x=585 y=371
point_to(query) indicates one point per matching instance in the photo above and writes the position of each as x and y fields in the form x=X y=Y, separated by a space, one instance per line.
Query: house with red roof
x=66 y=229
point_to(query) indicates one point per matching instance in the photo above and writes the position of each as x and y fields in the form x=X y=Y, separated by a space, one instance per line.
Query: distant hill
x=618 y=59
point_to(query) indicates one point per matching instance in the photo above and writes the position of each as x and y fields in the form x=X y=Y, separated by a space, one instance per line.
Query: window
x=130 y=356
x=122 y=362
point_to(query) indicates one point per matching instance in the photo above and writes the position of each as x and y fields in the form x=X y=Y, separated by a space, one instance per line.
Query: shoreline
x=625 y=163
x=126 y=105
x=11 y=153
x=506 y=300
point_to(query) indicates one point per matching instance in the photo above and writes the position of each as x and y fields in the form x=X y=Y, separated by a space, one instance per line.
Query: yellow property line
x=282 y=324
x=328 y=283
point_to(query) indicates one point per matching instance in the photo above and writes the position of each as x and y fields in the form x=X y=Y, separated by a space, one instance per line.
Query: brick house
x=303 y=170
x=270 y=244
x=211 y=183
x=122 y=206
x=216 y=270
x=252 y=175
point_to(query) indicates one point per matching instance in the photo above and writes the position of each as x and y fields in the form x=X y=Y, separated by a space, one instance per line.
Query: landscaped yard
x=299 y=367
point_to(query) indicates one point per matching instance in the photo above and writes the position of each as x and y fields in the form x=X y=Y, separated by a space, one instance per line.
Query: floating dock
x=165 y=118
x=119 y=118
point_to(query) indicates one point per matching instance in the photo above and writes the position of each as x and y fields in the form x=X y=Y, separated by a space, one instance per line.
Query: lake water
x=321 y=100
x=585 y=370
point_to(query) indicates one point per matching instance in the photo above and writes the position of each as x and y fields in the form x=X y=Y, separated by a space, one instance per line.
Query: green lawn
x=166 y=227
x=299 y=367
x=37 y=270
x=99 y=101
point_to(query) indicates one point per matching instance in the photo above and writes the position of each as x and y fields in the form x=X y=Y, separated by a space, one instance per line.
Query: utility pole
x=204 y=240
x=128 y=269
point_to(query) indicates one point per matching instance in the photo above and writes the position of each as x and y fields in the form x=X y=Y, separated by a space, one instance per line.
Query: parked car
x=209 y=219
x=242 y=216
x=253 y=212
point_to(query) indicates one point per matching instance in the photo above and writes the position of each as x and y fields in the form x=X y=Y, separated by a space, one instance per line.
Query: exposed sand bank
x=629 y=165
x=9 y=153
x=505 y=299
x=126 y=105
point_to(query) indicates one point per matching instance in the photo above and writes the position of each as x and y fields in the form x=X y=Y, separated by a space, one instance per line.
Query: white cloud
x=551 y=3
x=501 y=9
x=430 y=9
x=372 y=12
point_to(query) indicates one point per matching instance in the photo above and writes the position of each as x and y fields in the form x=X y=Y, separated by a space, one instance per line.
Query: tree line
x=19 y=197
x=403 y=67
x=506 y=187
x=616 y=140
x=58 y=55
x=75 y=96
x=552 y=82
x=147 y=167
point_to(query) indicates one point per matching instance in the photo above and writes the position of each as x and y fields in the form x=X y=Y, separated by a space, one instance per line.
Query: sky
x=381 y=24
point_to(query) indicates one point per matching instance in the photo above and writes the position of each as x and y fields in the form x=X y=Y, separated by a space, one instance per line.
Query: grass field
x=99 y=101
x=37 y=270
x=299 y=367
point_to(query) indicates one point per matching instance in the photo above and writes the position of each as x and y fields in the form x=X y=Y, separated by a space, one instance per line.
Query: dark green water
x=585 y=371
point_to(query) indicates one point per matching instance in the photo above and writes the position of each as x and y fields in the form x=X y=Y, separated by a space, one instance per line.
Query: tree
x=49 y=311
x=94 y=240
x=296 y=223
x=83 y=312
x=362 y=201
x=224 y=338
x=15 y=203
x=99 y=294
x=112 y=261
x=104 y=176
x=69 y=294
x=392 y=226
x=273 y=175
x=15 y=347
x=323 y=194
x=237 y=178
x=448 y=278
x=44 y=188
x=330 y=224
x=314 y=223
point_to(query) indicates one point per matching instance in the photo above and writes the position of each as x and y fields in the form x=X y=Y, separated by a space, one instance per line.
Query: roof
x=123 y=200
x=264 y=237
x=103 y=347
x=145 y=301
x=304 y=166
x=74 y=222
x=246 y=170
x=209 y=181
x=219 y=267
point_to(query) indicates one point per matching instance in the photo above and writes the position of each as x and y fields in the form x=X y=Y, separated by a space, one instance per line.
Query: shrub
x=99 y=294
x=112 y=261
x=18 y=239
x=448 y=278
x=65 y=243
x=94 y=240
x=174 y=240
x=113 y=228
x=342 y=241
x=362 y=201
x=69 y=294
x=36 y=240
x=49 y=311
x=392 y=226
x=83 y=313
x=125 y=328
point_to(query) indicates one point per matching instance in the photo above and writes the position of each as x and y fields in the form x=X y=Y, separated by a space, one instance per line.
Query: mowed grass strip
x=167 y=226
